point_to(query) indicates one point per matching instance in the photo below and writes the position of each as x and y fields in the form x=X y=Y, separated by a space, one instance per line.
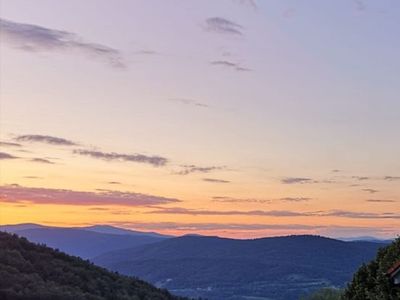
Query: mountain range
x=220 y=268
x=280 y=268
x=85 y=242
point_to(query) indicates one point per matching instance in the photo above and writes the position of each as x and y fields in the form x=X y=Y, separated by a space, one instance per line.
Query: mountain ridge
x=80 y=241
x=276 y=267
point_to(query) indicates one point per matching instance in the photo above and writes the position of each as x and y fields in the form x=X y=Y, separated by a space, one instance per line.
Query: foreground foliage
x=371 y=281
x=30 y=271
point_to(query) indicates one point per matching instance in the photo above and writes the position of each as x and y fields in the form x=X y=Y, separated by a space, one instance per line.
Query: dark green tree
x=371 y=282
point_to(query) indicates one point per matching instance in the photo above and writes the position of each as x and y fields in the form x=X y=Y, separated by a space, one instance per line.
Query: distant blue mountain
x=218 y=268
x=85 y=242
x=121 y=231
x=365 y=239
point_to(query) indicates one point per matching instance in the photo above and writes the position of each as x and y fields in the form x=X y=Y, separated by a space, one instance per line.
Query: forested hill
x=280 y=268
x=30 y=271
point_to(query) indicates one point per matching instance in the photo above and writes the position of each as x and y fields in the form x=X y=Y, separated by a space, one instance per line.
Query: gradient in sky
x=232 y=118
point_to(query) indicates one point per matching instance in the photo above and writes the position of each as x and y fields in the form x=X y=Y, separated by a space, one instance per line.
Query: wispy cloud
x=114 y=182
x=20 y=194
x=4 y=155
x=214 y=180
x=46 y=139
x=371 y=191
x=156 y=161
x=196 y=212
x=360 y=215
x=189 y=102
x=42 y=161
x=296 y=180
x=34 y=38
x=229 y=64
x=261 y=201
x=276 y=213
x=380 y=200
x=99 y=208
x=33 y=177
x=391 y=178
x=239 y=200
x=188 y=169
x=295 y=199
x=8 y=144
x=223 y=26
x=361 y=178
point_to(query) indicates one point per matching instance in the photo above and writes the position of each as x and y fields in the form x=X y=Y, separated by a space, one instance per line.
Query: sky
x=234 y=118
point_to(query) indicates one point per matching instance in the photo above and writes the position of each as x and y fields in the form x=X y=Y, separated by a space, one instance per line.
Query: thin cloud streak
x=189 y=169
x=296 y=180
x=225 y=199
x=380 y=200
x=391 y=178
x=214 y=180
x=9 y=144
x=156 y=161
x=295 y=199
x=371 y=191
x=189 y=102
x=194 y=212
x=34 y=38
x=46 y=139
x=20 y=194
x=276 y=213
x=42 y=161
x=229 y=64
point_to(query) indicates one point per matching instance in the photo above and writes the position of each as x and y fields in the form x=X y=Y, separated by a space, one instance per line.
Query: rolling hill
x=220 y=268
x=30 y=271
x=85 y=242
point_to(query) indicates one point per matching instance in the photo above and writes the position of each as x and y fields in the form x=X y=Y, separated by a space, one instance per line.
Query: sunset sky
x=233 y=118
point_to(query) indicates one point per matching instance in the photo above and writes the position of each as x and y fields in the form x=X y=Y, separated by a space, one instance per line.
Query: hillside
x=85 y=242
x=219 y=268
x=30 y=271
